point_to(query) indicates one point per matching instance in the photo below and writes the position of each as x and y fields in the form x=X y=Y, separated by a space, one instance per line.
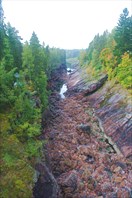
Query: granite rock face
x=46 y=186
x=114 y=112
x=112 y=106
x=83 y=163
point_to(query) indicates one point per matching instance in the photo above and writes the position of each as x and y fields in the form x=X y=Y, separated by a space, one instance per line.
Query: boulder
x=46 y=186
x=68 y=182
x=85 y=128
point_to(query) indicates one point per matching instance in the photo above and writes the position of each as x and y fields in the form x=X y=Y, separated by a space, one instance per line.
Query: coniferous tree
x=35 y=48
x=27 y=62
x=2 y=30
x=23 y=88
x=15 y=45
x=123 y=34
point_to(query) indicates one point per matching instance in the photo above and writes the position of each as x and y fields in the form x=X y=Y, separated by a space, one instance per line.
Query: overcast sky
x=67 y=24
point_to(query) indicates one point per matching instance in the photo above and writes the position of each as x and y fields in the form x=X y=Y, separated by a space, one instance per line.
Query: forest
x=25 y=69
x=111 y=53
x=24 y=72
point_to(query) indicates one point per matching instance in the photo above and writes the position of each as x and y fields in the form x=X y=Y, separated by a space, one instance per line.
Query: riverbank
x=82 y=161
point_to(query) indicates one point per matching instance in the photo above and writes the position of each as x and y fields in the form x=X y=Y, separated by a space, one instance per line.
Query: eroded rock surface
x=84 y=163
x=112 y=105
x=114 y=111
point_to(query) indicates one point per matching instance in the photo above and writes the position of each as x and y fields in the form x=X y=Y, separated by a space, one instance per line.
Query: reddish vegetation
x=84 y=164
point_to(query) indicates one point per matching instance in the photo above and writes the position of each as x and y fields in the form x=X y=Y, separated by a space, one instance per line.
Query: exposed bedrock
x=46 y=185
x=114 y=112
x=112 y=106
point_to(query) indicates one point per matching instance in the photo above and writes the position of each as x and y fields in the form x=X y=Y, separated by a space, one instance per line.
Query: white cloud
x=64 y=24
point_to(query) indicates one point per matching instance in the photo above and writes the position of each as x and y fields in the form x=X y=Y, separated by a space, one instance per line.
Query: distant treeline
x=72 y=53
x=24 y=72
x=111 y=53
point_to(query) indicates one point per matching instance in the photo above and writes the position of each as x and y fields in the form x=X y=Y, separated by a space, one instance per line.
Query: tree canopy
x=24 y=73
x=111 y=53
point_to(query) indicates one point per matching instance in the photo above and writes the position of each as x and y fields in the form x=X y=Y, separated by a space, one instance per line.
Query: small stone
x=117 y=169
x=124 y=193
x=85 y=128
x=108 y=171
x=107 y=187
x=122 y=183
x=112 y=195
x=69 y=184
x=89 y=159
x=121 y=164
x=73 y=141
x=118 y=179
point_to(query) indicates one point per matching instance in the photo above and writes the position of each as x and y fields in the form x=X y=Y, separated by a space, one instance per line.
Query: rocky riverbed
x=80 y=160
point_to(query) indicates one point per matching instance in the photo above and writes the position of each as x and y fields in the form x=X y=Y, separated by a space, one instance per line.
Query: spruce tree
x=15 y=45
x=123 y=34
x=2 y=30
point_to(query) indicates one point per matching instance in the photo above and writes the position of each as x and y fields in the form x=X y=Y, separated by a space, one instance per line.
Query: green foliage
x=24 y=72
x=16 y=170
x=15 y=45
x=124 y=71
x=123 y=34
x=91 y=55
x=83 y=57
x=74 y=53
x=57 y=57
x=2 y=30
x=108 y=61
x=27 y=62
x=110 y=53
x=7 y=96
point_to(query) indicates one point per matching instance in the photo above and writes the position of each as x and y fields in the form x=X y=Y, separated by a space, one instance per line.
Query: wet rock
x=46 y=186
x=121 y=164
x=85 y=128
x=108 y=171
x=69 y=70
x=68 y=182
x=90 y=159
